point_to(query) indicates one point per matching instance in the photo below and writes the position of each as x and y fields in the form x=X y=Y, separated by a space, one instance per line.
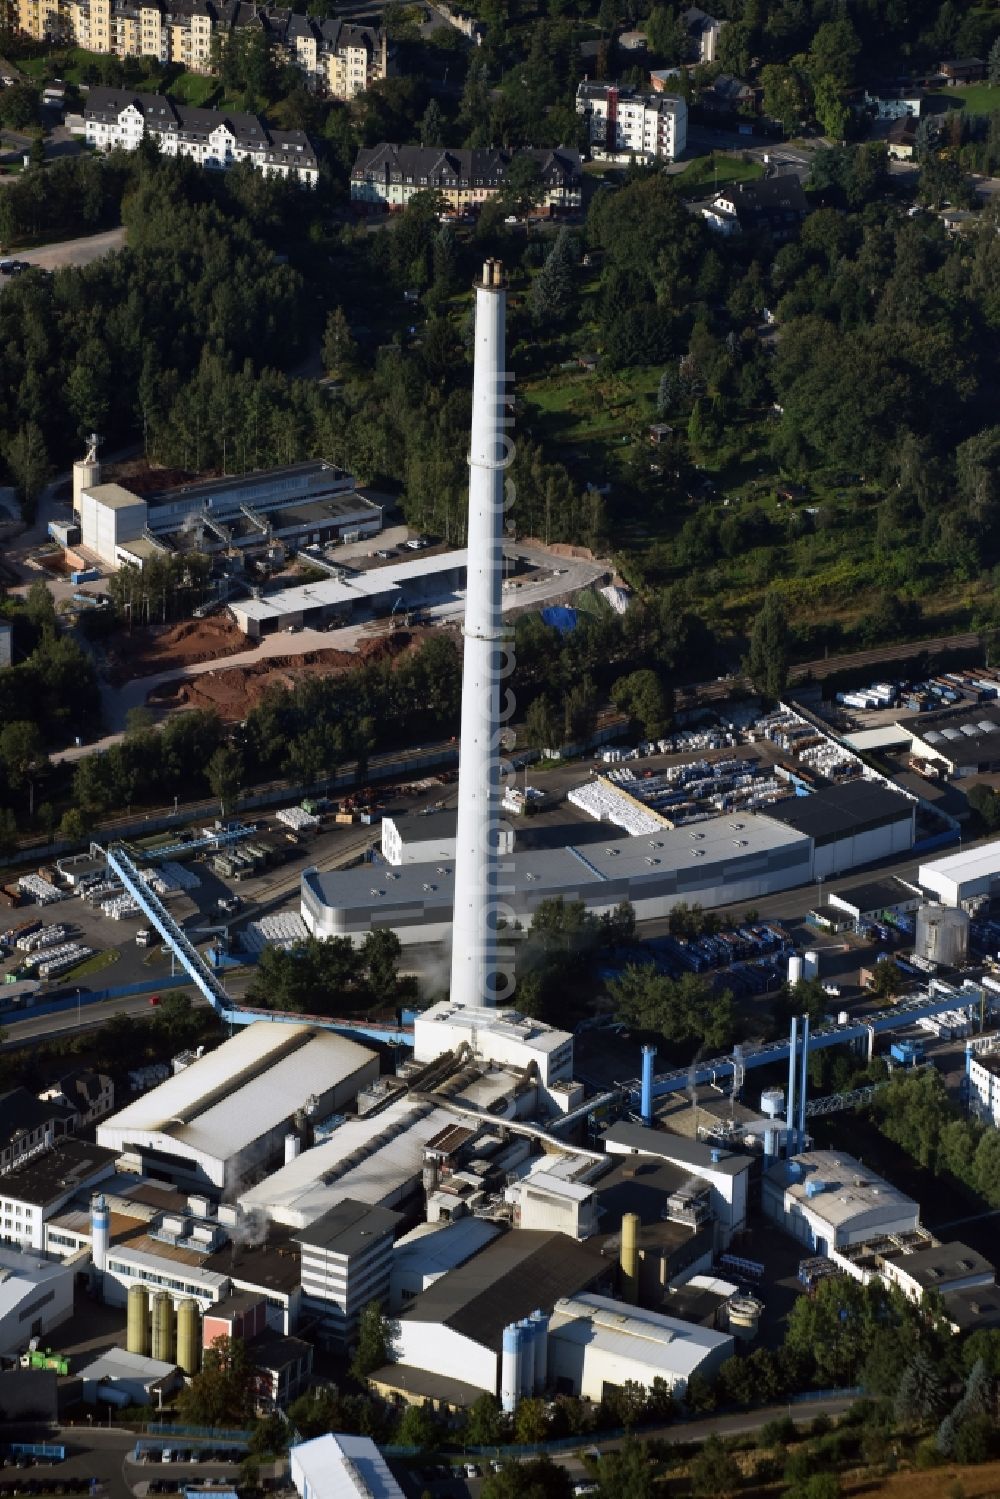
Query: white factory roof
x=331 y=591
x=431 y=883
x=338 y=1466
x=235 y=1094
x=433 y=1248
x=509 y=1025
x=664 y=1344
x=849 y=1189
x=113 y=496
x=978 y=863
x=118 y=1363
x=21 y=1275
x=366 y=1159
x=176 y=1263
x=558 y=1186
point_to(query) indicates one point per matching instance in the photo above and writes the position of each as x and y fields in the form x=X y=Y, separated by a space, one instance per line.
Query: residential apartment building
x=117 y=118
x=338 y=60
x=623 y=123
x=389 y=176
x=703 y=33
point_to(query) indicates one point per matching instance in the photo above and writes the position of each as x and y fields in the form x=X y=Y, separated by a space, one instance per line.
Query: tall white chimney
x=474 y=978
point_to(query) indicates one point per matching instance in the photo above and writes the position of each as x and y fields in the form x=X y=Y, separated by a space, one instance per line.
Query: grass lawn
x=977 y=98
x=194 y=89
x=715 y=170
x=94 y=964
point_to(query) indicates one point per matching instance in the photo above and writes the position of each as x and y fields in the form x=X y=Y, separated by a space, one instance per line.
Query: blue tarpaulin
x=560 y=618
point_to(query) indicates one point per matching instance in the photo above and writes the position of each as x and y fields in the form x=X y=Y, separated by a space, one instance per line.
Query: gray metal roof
x=349 y=1228
x=694 y=1153
x=508 y=1280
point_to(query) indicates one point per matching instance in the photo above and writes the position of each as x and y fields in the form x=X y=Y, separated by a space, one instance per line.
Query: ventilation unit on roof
x=697 y=853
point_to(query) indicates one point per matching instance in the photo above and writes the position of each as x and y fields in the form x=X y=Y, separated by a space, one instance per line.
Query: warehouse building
x=225 y=1117
x=961 y=742
x=716 y=862
x=829 y=1201
x=597 y=1345
x=940 y=1267
x=302 y=504
x=117 y=1377
x=36 y=1297
x=339 y=1466
x=973 y=874
x=872 y=900
x=854 y=823
x=418 y=583
x=453 y=1332
x=429 y=837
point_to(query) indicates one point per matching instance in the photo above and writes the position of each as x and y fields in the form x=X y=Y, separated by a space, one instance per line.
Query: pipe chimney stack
x=475 y=980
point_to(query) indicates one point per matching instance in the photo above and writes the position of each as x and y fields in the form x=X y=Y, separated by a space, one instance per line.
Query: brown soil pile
x=154 y=648
x=232 y=691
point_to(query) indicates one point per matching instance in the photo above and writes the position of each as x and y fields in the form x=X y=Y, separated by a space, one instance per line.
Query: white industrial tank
x=772 y=1103
x=794 y=968
x=810 y=964
x=942 y=935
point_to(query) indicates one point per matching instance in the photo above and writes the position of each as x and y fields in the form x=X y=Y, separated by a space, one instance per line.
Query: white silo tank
x=510 y=1367
x=942 y=935
x=772 y=1103
x=794 y=967
x=810 y=964
x=527 y=1361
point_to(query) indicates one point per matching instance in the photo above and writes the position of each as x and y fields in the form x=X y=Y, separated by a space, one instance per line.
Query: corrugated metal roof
x=648 y=1339
x=238 y=1092
x=367 y=1159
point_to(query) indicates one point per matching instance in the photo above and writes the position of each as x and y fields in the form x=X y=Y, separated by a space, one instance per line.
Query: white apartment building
x=118 y=119
x=623 y=123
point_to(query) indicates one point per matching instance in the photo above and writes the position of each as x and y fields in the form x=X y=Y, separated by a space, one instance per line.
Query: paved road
x=75 y=252
x=68 y=1022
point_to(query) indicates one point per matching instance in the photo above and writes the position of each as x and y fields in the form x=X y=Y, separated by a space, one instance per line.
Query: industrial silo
x=629 y=1257
x=942 y=935
x=163 y=1327
x=137 y=1325
x=794 y=967
x=189 y=1336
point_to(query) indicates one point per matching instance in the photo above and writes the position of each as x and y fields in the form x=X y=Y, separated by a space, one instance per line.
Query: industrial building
x=856 y=822
x=415 y=584
x=726 y=1172
x=973 y=874
x=454 y=1330
x=428 y=837
x=35 y=1192
x=346 y=1257
x=500 y=1036
x=982 y=1069
x=960 y=742
x=226 y=1116
x=871 y=900
x=829 y=1201
x=302 y=504
x=338 y=1466
x=36 y=1296
x=29 y=1124
x=716 y=862
x=430 y=1250
x=117 y=1377
x=377 y=1160
x=940 y=1267
x=597 y=1345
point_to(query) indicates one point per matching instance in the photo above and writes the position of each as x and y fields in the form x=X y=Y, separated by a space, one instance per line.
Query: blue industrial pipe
x=646 y=1099
x=792 y=1059
x=804 y=1085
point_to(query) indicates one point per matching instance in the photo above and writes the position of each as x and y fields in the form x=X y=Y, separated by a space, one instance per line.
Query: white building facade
x=597 y=1344
x=115 y=119
x=650 y=126
x=829 y=1201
